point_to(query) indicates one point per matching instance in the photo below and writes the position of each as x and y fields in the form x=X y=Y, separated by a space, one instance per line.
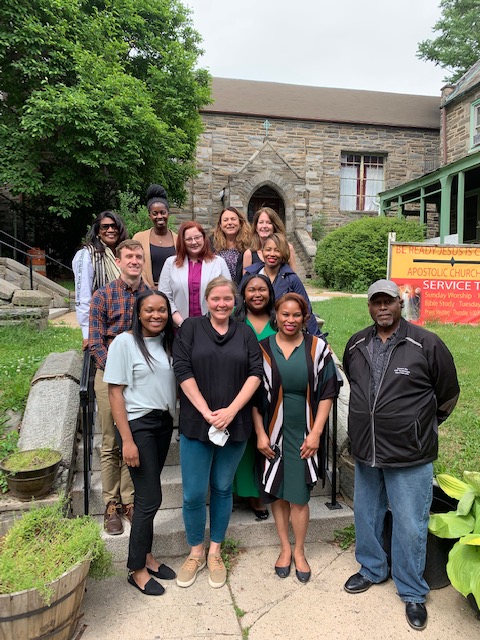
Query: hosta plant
x=463 y=566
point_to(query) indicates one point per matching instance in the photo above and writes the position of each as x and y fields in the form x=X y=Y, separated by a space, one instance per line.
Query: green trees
x=457 y=46
x=97 y=95
x=355 y=255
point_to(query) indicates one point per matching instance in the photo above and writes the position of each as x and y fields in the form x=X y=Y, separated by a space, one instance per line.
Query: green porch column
x=446 y=185
x=461 y=206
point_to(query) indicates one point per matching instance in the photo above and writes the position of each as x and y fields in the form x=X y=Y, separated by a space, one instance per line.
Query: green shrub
x=355 y=255
x=318 y=228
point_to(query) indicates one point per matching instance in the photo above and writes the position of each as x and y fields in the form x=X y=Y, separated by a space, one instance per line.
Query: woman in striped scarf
x=94 y=265
x=300 y=384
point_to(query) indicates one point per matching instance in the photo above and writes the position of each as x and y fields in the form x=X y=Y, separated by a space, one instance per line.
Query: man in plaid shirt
x=111 y=310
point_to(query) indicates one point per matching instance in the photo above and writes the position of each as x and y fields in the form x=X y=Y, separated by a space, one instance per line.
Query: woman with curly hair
x=230 y=240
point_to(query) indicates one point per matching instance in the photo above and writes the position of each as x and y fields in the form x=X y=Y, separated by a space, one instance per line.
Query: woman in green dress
x=255 y=308
x=300 y=384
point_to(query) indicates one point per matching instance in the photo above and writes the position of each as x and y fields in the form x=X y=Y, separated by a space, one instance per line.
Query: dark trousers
x=152 y=434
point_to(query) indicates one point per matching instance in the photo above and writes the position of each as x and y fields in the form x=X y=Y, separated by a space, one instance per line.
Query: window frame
x=362 y=161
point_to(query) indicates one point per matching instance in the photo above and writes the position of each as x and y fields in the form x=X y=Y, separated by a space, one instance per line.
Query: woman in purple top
x=185 y=277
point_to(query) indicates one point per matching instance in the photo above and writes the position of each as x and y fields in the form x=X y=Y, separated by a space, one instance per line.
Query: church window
x=361 y=179
x=475 y=124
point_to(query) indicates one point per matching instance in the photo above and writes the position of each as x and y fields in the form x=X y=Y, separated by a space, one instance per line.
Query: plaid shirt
x=111 y=313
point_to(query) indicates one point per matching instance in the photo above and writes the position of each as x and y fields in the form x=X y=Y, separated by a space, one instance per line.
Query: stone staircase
x=169 y=534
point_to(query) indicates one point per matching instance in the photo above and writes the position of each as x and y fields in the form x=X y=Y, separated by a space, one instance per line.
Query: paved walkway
x=258 y=605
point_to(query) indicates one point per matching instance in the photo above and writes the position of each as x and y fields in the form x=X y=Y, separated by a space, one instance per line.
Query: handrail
x=87 y=421
x=40 y=252
x=25 y=254
x=334 y=504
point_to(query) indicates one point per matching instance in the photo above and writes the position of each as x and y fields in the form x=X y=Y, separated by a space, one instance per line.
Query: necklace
x=157 y=236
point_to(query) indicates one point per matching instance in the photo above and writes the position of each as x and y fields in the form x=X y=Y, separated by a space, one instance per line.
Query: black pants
x=152 y=434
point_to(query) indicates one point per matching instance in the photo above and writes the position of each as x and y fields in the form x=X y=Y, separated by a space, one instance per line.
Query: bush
x=355 y=255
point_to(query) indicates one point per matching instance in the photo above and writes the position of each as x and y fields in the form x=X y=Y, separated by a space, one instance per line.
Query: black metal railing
x=332 y=458
x=29 y=257
x=87 y=422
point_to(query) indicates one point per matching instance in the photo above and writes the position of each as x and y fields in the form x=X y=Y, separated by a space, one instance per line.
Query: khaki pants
x=116 y=481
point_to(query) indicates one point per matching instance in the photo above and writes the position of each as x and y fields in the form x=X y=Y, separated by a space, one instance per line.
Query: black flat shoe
x=283 y=572
x=163 y=572
x=152 y=588
x=416 y=613
x=260 y=514
x=303 y=576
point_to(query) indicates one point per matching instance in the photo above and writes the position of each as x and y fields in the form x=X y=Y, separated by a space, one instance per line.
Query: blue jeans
x=205 y=465
x=408 y=492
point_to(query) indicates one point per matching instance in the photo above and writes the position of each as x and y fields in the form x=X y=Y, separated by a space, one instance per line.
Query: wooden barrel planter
x=25 y=616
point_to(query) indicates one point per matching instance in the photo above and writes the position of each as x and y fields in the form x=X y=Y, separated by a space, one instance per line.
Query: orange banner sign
x=438 y=282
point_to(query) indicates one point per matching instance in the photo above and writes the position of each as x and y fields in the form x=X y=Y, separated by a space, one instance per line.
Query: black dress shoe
x=283 y=572
x=152 y=588
x=416 y=613
x=163 y=572
x=357 y=584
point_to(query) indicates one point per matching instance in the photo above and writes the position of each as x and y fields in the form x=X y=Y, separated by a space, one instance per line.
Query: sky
x=349 y=44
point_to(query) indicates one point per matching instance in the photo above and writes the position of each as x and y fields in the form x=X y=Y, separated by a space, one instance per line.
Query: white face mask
x=218 y=436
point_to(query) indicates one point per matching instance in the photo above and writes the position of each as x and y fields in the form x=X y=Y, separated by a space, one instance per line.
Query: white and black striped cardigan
x=322 y=384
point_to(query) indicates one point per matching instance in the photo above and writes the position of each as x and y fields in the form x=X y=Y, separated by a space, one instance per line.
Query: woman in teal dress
x=255 y=308
x=300 y=384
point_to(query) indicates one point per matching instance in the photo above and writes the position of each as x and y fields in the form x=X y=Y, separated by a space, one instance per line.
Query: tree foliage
x=97 y=95
x=457 y=47
x=355 y=255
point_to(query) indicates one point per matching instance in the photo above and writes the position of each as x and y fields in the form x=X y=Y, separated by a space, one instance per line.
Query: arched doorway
x=266 y=197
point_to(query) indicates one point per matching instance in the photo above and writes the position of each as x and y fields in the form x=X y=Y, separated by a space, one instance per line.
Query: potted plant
x=31 y=473
x=463 y=566
x=44 y=561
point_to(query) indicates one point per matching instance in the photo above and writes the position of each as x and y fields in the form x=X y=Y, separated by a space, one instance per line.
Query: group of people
x=225 y=323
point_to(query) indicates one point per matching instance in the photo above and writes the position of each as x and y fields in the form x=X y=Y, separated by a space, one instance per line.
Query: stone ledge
x=29 y=298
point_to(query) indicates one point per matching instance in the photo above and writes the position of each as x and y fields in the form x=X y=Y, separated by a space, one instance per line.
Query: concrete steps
x=169 y=531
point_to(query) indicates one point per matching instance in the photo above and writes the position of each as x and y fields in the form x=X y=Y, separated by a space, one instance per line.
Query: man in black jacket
x=403 y=384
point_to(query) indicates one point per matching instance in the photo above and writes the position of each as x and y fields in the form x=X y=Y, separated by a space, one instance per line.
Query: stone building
x=310 y=153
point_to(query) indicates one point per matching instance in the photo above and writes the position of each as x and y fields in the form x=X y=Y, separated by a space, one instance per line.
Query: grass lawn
x=22 y=349
x=460 y=434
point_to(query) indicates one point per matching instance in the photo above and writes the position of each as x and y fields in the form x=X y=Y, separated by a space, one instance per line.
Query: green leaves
x=463 y=567
x=457 y=47
x=99 y=94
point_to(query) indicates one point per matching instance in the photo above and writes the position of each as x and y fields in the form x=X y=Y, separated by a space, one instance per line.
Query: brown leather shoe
x=112 y=523
x=127 y=512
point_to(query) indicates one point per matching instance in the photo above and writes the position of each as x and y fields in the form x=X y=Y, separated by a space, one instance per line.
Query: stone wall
x=457 y=127
x=300 y=160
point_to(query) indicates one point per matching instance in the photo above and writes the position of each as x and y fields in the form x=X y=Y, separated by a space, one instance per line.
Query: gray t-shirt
x=145 y=388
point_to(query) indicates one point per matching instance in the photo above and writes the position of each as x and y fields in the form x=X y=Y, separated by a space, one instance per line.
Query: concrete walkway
x=258 y=605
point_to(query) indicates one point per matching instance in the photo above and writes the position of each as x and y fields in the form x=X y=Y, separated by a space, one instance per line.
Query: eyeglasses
x=106 y=226
x=194 y=239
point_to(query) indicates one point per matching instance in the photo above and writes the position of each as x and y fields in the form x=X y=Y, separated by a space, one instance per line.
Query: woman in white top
x=142 y=393
x=94 y=265
x=185 y=277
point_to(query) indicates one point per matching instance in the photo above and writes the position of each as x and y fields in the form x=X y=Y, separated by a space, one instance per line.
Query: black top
x=158 y=256
x=220 y=366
